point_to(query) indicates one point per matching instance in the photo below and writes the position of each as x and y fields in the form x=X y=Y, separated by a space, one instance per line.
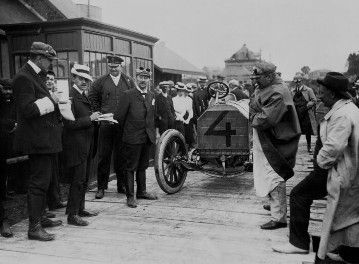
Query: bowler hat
x=336 y=82
x=114 y=60
x=43 y=49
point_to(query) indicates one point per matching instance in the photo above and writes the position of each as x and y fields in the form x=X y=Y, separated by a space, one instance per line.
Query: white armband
x=45 y=105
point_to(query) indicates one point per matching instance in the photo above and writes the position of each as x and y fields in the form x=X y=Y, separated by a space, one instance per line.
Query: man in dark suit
x=135 y=114
x=78 y=143
x=235 y=89
x=165 y=113
x=200 y=99
x=38 y=134
x=104 y=95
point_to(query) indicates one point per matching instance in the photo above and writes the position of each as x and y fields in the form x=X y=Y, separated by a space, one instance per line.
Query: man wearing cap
x=165 y=113
x=200 y=99
x=78 y=145
x=136 y=115
x=38 y=133
x=104 y=95
x=339 y=133
x=235 y=89
x=276 y=134
x=304 y=101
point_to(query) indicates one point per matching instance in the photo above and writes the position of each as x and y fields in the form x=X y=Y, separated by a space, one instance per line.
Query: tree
x=353 y=64
x=305 y=70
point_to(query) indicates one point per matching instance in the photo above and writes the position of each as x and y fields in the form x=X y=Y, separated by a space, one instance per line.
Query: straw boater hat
x=189 y=87
x=180 y=86
x=202 y=79
x=81 y=70
x=234 y=82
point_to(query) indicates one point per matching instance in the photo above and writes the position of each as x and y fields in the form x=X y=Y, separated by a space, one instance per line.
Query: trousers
x=278 y=201
x=110 y=140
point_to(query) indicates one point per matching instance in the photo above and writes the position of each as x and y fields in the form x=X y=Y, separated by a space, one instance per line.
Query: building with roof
x=171 y=66
x=239 y=65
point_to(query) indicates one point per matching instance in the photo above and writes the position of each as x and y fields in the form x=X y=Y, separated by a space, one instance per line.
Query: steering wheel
x=220 y=88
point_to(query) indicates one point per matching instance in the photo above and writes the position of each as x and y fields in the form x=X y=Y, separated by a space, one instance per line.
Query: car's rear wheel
x=170 y=174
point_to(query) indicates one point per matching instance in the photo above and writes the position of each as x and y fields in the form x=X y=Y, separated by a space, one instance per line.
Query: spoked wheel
x=219 y=88
x=170 y=174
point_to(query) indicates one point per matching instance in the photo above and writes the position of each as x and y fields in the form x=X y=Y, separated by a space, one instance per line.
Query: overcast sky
x=290 y=33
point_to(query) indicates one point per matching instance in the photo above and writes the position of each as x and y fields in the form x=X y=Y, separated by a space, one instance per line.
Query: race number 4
x=228 y=132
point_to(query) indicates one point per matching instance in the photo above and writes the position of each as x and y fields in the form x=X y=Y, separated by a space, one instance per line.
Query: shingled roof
x=168 y=61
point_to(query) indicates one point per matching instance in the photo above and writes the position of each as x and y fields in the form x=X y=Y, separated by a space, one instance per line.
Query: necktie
x=84 y=95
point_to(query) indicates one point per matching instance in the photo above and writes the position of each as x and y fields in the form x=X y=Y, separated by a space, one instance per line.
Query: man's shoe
x=146 y=196
x=36 y=232
x=59 y=205
x=271 y=225
x=266 y=207
x=86 y=213
x=121 y=189
x=46 y=222
x=49 y=214
x=76 y=220
x=131 y=202
x=100 y=194
x=5 y=230
x=289 y=249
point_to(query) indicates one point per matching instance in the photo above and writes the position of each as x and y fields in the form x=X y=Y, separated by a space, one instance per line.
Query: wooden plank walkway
x=212 y=220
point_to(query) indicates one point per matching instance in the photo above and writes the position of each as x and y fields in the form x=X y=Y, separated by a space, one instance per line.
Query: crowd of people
x=119 y=115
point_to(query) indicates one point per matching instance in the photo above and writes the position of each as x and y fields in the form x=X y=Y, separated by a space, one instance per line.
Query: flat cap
x=114 y=60
x=263 y=67
x=43 y=49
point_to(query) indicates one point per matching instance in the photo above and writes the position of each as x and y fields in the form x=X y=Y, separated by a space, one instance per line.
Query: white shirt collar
x=77 y=88
x=34 y=66
x=116 y=79
x=142 y=91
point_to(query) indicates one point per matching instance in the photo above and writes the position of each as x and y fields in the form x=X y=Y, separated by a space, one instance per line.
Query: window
x=19 y=61
x=140 y=50
x=98 y=63
x=62 y=66
x=143 y=63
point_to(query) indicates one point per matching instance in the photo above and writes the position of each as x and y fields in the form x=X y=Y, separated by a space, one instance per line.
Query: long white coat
x=339 y=132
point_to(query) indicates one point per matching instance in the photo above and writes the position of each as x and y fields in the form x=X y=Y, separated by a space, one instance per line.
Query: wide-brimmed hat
x=43 y=49
x=81 y=70
x=114 y=60
x=336 y=82
x=180 y=86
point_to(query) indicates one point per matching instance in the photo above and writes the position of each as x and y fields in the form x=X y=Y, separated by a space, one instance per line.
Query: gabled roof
x=67 y=7
x=244 y=54
x=168 y=61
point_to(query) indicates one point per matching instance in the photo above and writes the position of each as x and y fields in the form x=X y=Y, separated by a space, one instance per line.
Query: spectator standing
x=182 y=107
x=276 y=135
x=105 y=93
x=200 y=99
x=78 y=145
x=235 y=89
x=165 y=113
x=304 y=101
x=38 y=133
x=188 y=123
x=136 y=114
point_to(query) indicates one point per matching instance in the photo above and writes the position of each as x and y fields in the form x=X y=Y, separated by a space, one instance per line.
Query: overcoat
x=339 y=132
x=136 y=116
x=35 y=134
x=309 y=96
x=78 y=134
x=273 y=115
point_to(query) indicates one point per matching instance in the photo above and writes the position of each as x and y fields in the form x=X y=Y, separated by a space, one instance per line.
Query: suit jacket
x=136 y=116
x=34 y=134
x=239 y=94
x=200 y=102
x=161 y=110
x=78 y=134
x=105 y=95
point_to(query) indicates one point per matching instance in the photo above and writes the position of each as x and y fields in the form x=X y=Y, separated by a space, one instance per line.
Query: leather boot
x=121 y=182
x=5 y=230
x=141 y=181
x=130 y=183
x=36 y=232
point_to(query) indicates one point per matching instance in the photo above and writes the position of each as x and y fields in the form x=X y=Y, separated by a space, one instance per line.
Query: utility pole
x=88 y=8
